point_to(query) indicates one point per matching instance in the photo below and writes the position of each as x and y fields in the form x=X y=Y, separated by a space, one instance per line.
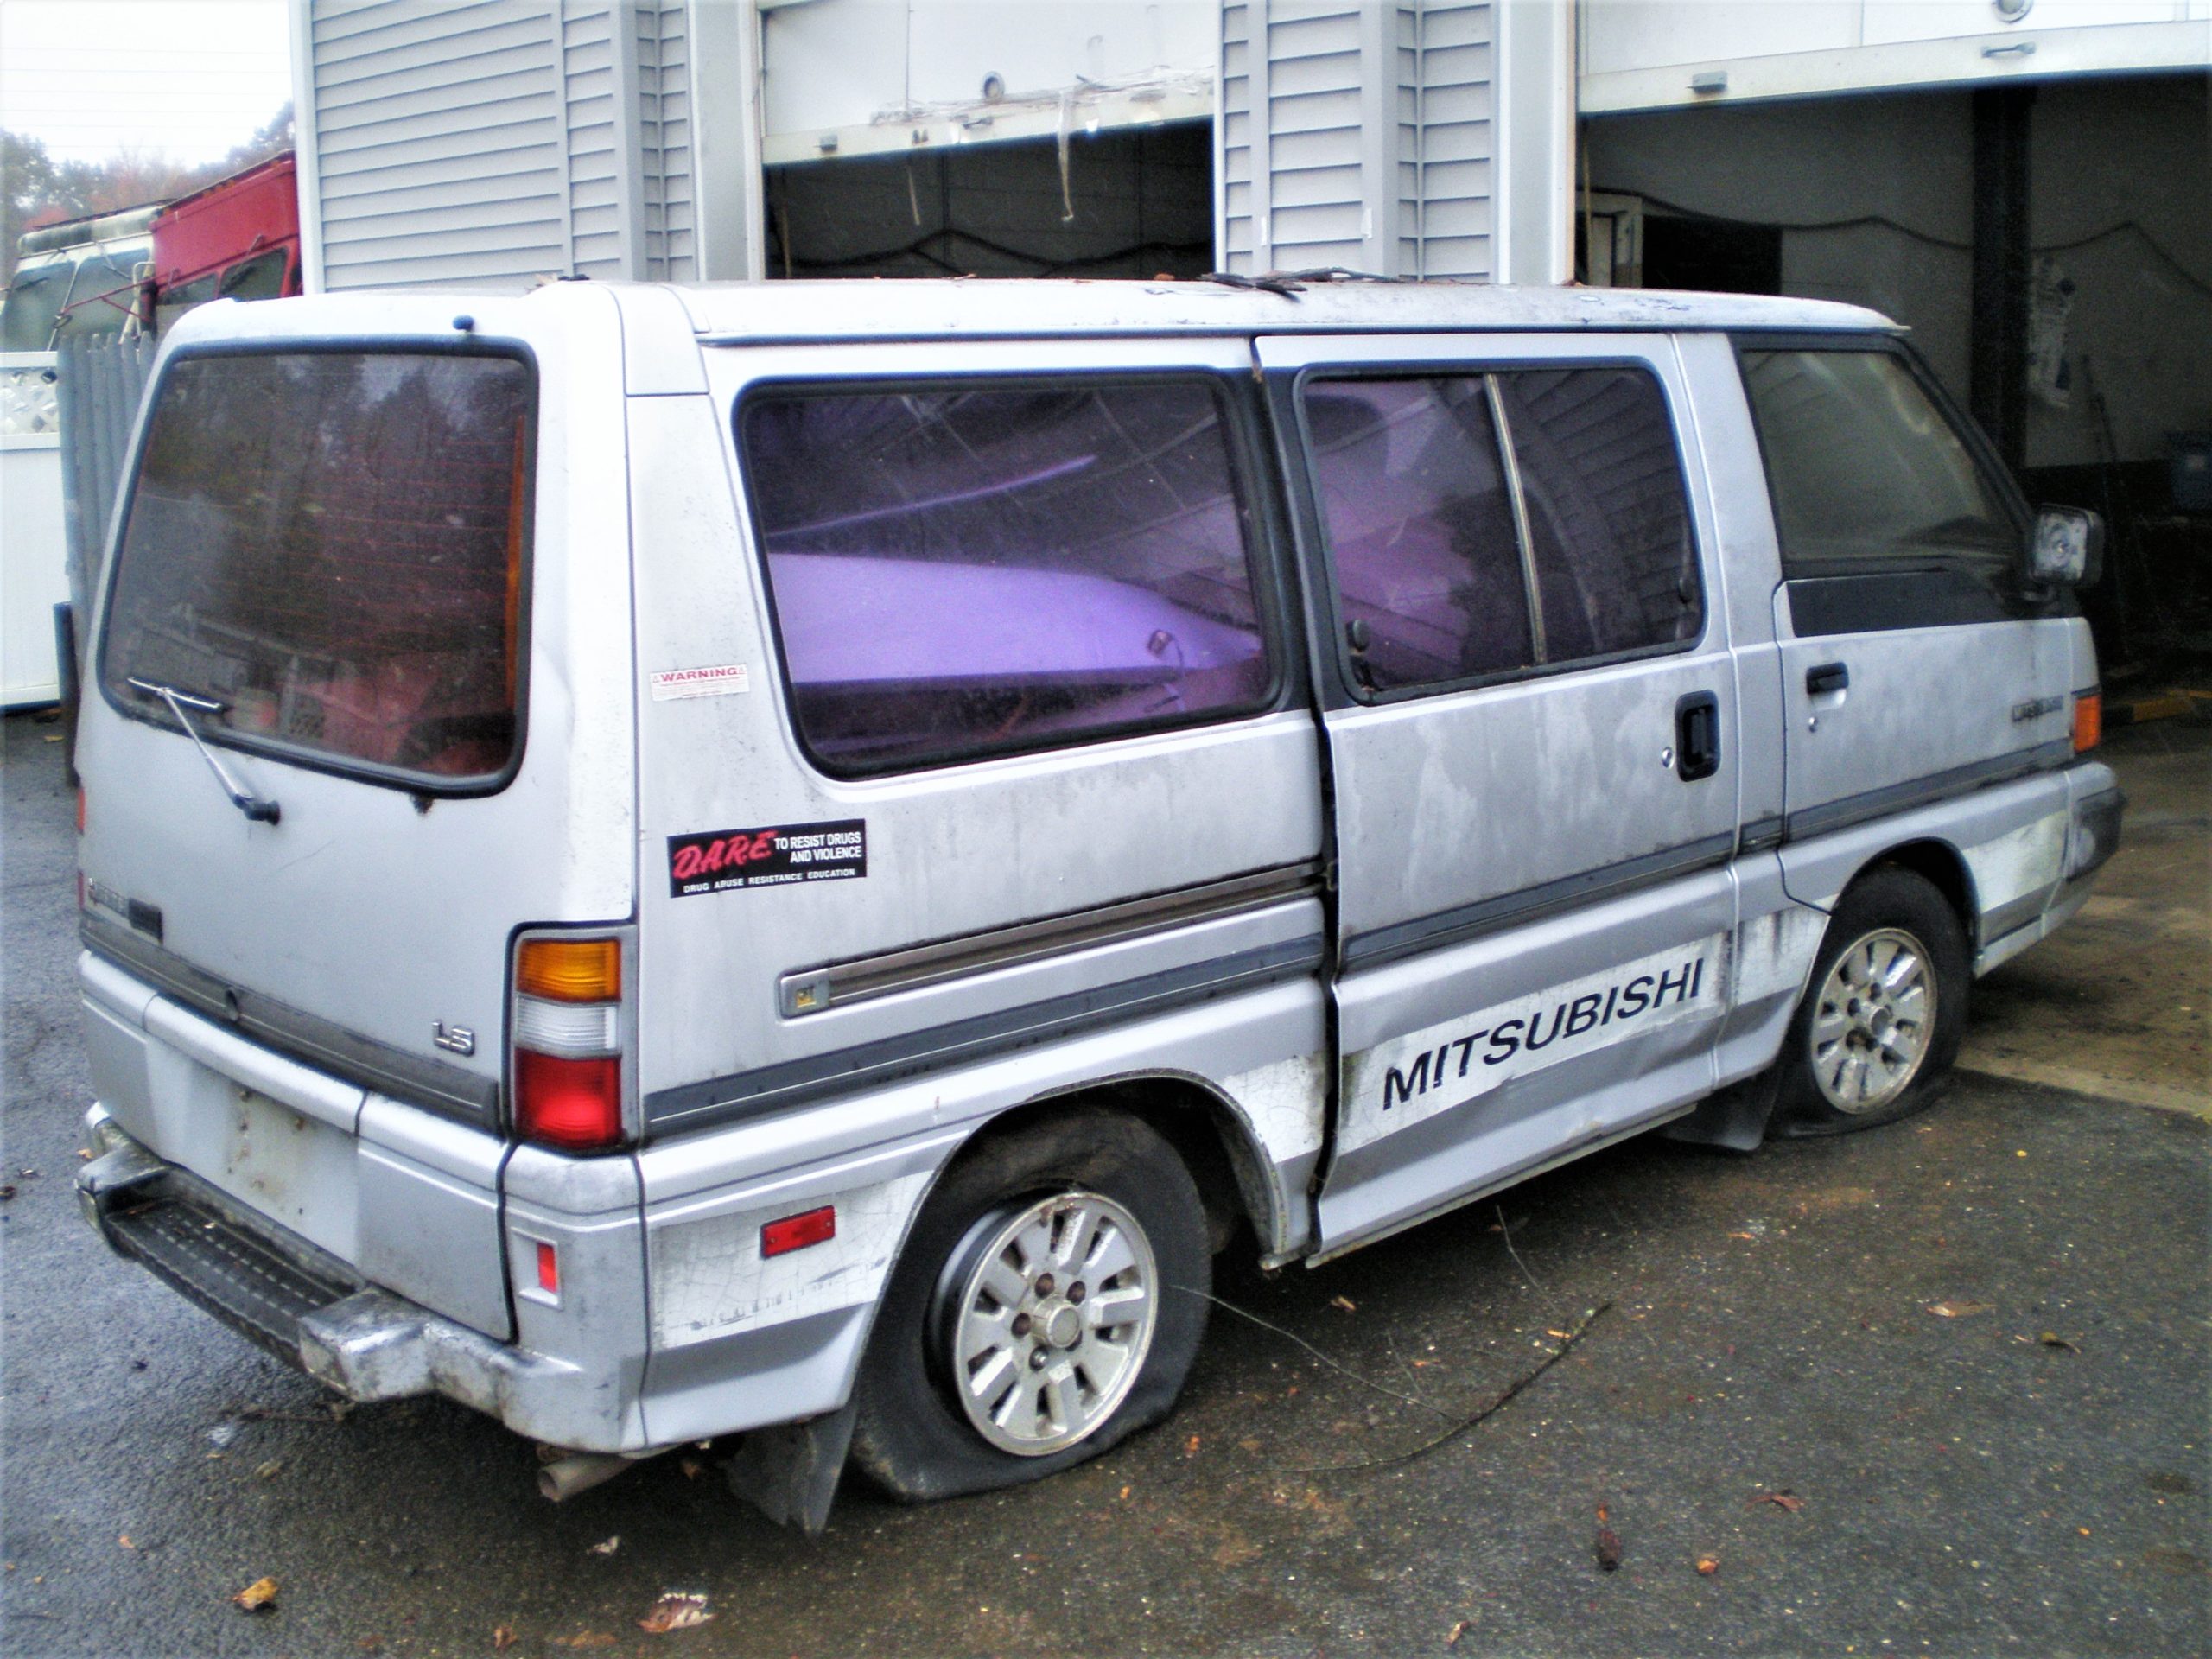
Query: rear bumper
x=310 y=1310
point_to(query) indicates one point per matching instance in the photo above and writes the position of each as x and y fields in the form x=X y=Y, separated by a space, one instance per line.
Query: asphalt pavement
x=1937 y=1388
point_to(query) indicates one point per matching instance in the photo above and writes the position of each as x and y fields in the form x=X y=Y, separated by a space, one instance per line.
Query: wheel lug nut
x=1044 y=1284
x=1037 y=1359
x=1021 y=1324
x=1077 y=1292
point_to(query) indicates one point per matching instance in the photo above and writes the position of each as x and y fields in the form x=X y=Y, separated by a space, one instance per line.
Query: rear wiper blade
x=257 y=809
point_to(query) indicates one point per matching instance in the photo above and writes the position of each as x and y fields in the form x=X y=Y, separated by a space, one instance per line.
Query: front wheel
x=1881 y=1022
x=1049 y=1304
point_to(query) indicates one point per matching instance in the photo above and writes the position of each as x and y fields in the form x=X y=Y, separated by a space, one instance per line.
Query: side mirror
x=2069 y=549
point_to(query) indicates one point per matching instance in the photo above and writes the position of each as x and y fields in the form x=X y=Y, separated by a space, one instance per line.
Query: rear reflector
x=797 y=1232
x=570 y=970
x=548 y=1268
x=576 y=1105
x=2089 y=720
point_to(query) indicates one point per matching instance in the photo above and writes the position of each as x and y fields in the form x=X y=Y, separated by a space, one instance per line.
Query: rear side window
x=1486 y=525
x=957 y=572
x=325 y=554
x=1866 y=473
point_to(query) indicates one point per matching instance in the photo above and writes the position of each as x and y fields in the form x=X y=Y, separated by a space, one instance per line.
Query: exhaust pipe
x=564 y=1477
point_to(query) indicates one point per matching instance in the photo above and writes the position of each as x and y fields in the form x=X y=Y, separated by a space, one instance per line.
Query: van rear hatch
x=330 y=769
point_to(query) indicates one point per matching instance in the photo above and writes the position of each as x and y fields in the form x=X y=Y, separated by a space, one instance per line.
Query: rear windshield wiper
x=256 y=810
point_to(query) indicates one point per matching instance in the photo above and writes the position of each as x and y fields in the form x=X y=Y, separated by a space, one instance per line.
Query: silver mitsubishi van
x=797 y=859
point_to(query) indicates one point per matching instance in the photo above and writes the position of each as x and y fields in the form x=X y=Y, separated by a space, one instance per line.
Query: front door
x=1530 y=710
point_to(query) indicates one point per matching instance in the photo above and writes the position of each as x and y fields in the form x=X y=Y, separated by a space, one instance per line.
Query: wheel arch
x=1942 y=866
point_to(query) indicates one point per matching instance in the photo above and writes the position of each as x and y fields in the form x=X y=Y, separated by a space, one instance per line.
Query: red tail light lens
x=574 y=1104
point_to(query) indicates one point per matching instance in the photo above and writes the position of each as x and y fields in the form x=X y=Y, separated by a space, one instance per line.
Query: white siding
x=1356 y=136
x=665 y=143
x=441 y=137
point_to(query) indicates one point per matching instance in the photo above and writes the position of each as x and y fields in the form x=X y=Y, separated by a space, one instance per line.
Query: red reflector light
x=797 y=1232
x=548 y=1268
x=576 y=1105
x=2088 y=722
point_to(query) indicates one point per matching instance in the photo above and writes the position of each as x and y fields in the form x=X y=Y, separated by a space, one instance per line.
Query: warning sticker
x=719 y=682
x=723 y=861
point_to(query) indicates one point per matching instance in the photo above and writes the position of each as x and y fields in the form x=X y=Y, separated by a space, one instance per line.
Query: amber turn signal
x=2088 y=722
x=570 y=970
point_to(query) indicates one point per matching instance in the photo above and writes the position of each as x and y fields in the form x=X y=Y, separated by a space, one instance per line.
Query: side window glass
x=1420 y=522
x=261 y=277
x=1864 y=471
x=1608 y=524
x=962 y=573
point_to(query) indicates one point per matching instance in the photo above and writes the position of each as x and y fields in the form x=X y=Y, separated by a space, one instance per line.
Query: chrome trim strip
x=411 y=1079
x=1384 y=944
x=837 y=984
x=1511 y=463
x=866 y=1065
x=1926 y=792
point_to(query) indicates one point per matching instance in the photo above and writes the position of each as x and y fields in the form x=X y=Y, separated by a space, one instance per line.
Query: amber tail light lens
x=566 y=1037
x=2088 y=722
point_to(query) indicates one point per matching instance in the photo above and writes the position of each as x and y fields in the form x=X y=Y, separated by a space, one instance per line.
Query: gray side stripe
x=1925 y=792
x=810 y=990
x=1469 y=921
x=413 y=1079
x=773 y=1088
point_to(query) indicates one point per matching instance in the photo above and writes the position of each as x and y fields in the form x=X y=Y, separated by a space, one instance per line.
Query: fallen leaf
x=2052 y=1339
x=676 y=1610
x=1125 y=1493
x=1191 y=1446
x=125 y=1541
x=692 y=1468
x=584 y=1639
x=1561 y=1335
x=1954 y=1309
x=270 y=1470
x=503 y=1638
x=1452 y=1637
x=258 y=1596
x=609 y=1547
x=6 y=1192
x=1345 y=1303
x=1609 y=1550
x=1709 y=1565
x=1784 y=1499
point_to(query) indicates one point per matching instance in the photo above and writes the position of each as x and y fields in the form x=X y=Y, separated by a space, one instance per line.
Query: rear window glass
x=960 y=573
x=329 y=547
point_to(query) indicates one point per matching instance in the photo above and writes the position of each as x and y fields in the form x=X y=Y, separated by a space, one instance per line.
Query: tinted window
x=1865 y=472
x=956 y=573
x=261 y=277
x=1420 y=527
x=1608 y=525
x=329 y=546
x=1433 y=578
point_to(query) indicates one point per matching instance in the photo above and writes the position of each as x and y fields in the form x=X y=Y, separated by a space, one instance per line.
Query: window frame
x=1331 y=596
x=1257 y=490
x=1989 y=466
x=420 y=784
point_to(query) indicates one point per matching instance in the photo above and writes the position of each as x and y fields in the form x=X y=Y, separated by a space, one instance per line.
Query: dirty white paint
x=1284 y=1102
x=1415 y=1077
x=1773 y=952
x=710 y=1279
x=2016 y=865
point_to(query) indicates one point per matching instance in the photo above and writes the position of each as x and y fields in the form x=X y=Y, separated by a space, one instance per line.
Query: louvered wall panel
x=593 y=133
x=1356 y=136
x=665 y=142
x=442 y=137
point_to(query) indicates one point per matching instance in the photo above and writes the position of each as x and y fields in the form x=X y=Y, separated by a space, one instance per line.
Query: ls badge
x=454 y=1040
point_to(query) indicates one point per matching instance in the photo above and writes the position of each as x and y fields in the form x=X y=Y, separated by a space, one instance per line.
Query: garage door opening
x=1136 y=202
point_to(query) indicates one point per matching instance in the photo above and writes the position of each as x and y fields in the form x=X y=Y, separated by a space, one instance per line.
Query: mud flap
x=790 y=1472
x=1734 y=1118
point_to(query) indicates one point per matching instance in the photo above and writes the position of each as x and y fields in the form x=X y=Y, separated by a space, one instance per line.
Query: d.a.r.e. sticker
x=724 y=861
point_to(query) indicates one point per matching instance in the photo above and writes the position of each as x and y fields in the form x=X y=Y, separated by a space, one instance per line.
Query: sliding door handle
x=1697 y=736
x=1828 y=676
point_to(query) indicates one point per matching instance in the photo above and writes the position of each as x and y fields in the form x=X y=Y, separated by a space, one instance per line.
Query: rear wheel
x=1880 y=1024
x=1049 y=1304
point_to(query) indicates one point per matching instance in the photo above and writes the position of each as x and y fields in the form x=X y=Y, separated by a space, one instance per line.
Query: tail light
x=567 y=1040
x=2089 y=720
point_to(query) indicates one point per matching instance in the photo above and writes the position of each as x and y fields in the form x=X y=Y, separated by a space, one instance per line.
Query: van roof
x=934 y=307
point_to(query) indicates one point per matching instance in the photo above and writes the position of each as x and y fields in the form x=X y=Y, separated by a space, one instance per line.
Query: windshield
x=89 y=290
x=324 y=551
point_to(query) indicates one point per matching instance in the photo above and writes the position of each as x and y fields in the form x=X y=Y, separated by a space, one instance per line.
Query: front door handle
x=1828 y=676
x=1697 y=736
